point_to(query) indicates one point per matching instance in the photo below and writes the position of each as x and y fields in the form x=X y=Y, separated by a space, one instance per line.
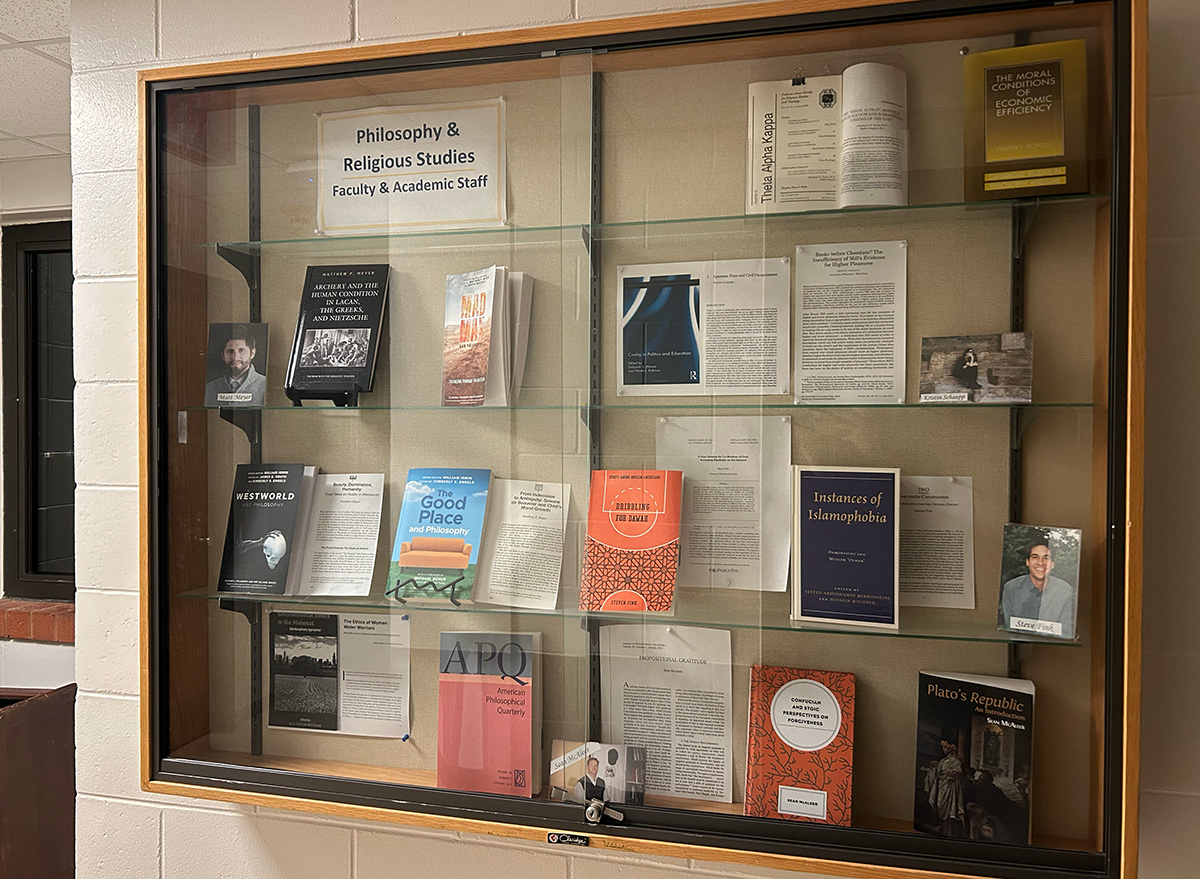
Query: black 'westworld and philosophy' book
x=259 y=538
x=974 y=745
x=337 y=333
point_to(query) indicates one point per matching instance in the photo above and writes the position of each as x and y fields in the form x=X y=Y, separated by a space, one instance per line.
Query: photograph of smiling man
x=237 y=365
x=1040 y=569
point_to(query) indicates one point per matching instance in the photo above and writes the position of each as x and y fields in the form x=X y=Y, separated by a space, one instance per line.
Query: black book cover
x=261 y=529
x=974 y=747
x=304 y=670
x=337 y=332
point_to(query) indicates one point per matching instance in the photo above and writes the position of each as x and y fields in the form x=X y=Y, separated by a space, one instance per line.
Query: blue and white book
x=438 y=536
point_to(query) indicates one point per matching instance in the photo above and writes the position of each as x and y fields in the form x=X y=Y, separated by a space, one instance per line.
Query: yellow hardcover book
x=1026 y=121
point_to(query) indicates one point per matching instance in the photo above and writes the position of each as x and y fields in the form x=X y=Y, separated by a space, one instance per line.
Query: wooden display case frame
x=267 y=781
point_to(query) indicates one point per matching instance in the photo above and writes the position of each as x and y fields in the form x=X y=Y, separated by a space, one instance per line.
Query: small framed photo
x=996 y=368
x=237 y=365
x=1039 y=586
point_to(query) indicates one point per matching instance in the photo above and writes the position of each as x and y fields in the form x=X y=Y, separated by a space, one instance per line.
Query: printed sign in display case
x=715 y=435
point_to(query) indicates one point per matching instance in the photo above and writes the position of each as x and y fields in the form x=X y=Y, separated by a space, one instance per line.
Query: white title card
x=850 y=322
x=426 y=167
x=937 y=541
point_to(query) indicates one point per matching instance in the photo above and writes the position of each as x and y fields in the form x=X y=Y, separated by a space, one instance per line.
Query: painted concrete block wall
x=123 y=832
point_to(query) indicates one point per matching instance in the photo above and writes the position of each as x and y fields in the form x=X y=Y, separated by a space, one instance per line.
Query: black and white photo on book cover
x=236 y=370
x=1040 y=580
x=304 y=670
x=335 y=346
x=995 y=368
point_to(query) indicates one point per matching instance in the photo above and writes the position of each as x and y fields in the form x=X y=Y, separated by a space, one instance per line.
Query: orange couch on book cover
x=632 y=550
x=800 y=746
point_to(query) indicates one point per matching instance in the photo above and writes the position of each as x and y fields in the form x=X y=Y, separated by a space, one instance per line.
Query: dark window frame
x=16 y=329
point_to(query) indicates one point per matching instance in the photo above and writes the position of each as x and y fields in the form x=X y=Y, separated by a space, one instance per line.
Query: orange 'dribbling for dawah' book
x=632 y=550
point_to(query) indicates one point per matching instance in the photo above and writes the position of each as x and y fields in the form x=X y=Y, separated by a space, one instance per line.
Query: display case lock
x=594 y=812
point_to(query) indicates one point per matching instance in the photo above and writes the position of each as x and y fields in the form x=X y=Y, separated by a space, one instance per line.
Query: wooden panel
x=37 y=786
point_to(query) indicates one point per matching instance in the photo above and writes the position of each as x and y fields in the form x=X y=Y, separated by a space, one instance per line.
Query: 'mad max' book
x=800 y=745
x=974 y=751
x=438 y=537
x=489 y=713
x=337 y=332
x=1026 y=121
x=486 y=336
x=846 y=546
x=631 y=554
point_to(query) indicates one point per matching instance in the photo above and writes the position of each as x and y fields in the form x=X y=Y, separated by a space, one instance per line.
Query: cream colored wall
x=122 y=831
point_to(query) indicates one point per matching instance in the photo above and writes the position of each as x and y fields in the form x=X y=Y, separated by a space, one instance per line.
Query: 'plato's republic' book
x=259 y=537
x=846 y=545
x=1026 y=121
x=337 y=332
x=489 y=722
x=632 y=551
x=974 y=749
x=438 y=537
x=800 y=745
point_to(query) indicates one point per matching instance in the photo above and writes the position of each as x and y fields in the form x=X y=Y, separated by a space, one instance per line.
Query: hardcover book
x=631 y=554
x=489 y=722
x=800 y=745
x=846 y=546
x=263 y=512
x=588 y=771
x=974 y=747
x=437 y=539
x=337 y=332
x=1026 y=121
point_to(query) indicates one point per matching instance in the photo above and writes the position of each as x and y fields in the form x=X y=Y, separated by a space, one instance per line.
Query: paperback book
x=800 y=745
x=1026 y=121
x=588 y=771
x=489 y=713
x=631 y=553
x=974 y=753
x=340 y=673
x=436 y=553
x=336 y=345
x=845 y=546
x=265 y=507
x=486 y=337
x=828 y=142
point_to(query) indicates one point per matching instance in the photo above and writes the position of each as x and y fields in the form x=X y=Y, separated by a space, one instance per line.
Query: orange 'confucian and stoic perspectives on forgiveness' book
x=800 y=745
x=632 y=550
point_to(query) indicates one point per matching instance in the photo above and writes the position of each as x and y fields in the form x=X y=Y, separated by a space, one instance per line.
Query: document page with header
x=669 y=689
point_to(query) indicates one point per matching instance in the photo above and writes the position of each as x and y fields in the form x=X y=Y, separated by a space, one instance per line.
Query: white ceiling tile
x=58 y=142
x=61 y=51
x=23 y=149
x=36 y=97
x=25 y=20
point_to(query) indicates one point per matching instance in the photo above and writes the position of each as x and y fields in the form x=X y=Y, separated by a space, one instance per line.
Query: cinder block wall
x=123 y=832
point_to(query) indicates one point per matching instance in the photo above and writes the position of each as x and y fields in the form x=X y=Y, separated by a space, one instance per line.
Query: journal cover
x=974 y=747
x=488 y=728
x=1026 y=121
x=800 y=745
x=439 y=533
x=337 y=332
x=632 y=550
x=261 y=529
x=845 y=546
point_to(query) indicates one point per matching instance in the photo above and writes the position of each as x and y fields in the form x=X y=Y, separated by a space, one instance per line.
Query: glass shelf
x=524 y=236
x=694 y=608
x=654 y=404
